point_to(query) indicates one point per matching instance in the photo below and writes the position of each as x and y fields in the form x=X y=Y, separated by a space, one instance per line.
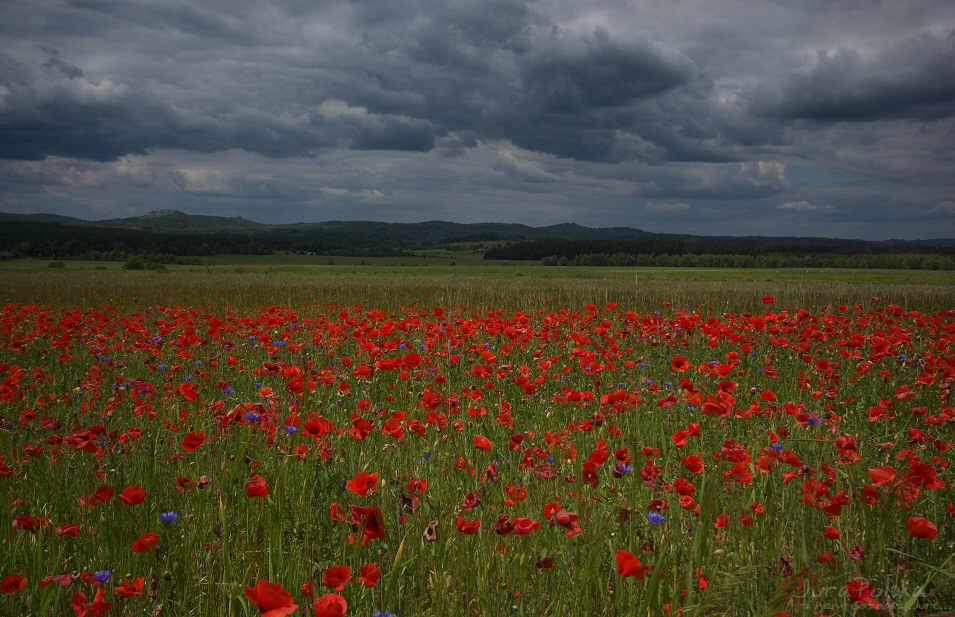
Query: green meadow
x=440 y=435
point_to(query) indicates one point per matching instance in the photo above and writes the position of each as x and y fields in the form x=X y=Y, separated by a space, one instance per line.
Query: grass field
x=268 y=437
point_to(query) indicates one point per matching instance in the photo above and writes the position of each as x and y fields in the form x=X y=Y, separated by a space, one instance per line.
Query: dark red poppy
x=921 y=528
x=145 y=542
x=362 y=482
x=336 y=577
x=629 y=565
x=465 y=526
x=192 y=441
x=133 y=495
x=62 y=579
x=861 y=591
x=271 y=599
x=12 y=583
x=130 y=588
x=329 y=605
x=256 y=487
x=679 y=364
x=96 y=608
x=370 y=573
x=693 y=463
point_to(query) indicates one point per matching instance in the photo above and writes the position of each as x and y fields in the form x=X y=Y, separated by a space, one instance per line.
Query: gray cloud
x=666 y=116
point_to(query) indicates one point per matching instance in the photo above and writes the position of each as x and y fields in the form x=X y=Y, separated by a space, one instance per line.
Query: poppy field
x=352 y=449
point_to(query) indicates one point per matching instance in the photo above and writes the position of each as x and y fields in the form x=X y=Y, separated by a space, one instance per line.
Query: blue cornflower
x=384 y=614
x=814 y=419
x=168 y=517
x=101 y=576
x=655 y=518
x=251 y=416
x=291 y=429
x=776 y=447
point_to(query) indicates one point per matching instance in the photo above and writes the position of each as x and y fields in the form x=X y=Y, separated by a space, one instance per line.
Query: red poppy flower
x=465 y=526
x=68 y=530
x=271 y=599
x=831 y=532
x=307 y=589
x=12 y=583
x=336 y=577
x=370 y=573
x=132 y=495
x=738 y=473
x=922 y=528
x=482 y=443
x=145 y=542
x=192 y=441
x=861 y=592
x=629 y=565
x=256 y=487
x=183 y=483
x=329 y=605
x=63 y=579
x=882 y=475
x=768 y=299
x=101 y=494
x=679 y=364
x=524 y=526
x=370 y=521
x=362 y=482
x=693 y=463
x=96 y=608
x=130 y=588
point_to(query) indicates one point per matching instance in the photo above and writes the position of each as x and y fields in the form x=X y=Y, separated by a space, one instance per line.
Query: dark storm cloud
x=914 y=80
x=609 y=112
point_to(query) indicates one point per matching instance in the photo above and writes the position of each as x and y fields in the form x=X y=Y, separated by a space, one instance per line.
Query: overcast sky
x=830 y=118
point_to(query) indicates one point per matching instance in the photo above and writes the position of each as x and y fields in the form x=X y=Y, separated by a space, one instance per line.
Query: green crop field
x=409 y=437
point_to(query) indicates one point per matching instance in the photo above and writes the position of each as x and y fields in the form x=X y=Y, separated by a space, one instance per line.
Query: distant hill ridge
x=404 y=235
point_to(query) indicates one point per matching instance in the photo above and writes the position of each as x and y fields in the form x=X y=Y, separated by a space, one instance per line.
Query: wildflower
x=192 y=441
x=336 y=577
x=133 y=495
x=655 y=518
x=861 y=592
x=271 y=599
x=362 y=482
x=370 y=573
x=168 y=517
x=12 y=583
x=63 y=579
x=629 y=565
x=256 y=486
x=329 y=605
x=921 y=528
x=145 y=542
x=465 y=526
x=679 y=364
x=96 y=608
x=101 y=576
x=130 y=588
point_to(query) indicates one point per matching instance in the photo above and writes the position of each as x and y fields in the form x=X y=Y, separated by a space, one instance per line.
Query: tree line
x=771 y=253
